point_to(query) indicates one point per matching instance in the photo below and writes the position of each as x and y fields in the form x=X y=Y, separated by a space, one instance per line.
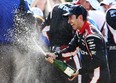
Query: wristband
x=59 y=55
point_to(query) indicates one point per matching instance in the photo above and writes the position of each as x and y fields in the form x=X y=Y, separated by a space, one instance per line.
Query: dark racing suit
x=111 y=50
x=92 y=48
x=111 y=44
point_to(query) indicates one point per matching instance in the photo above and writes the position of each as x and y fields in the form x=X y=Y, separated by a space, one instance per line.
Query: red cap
x=77 y=3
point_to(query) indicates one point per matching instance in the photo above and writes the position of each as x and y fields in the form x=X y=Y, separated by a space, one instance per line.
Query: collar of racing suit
x=85 y=26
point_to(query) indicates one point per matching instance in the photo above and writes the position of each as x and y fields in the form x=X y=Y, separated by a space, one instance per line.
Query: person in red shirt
x=82 y=2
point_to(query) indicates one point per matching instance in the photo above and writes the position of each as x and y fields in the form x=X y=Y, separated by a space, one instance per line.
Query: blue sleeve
x=27 y=6
x=92 y=22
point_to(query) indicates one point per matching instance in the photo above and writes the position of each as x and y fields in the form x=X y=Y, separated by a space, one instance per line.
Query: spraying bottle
x=64 y=67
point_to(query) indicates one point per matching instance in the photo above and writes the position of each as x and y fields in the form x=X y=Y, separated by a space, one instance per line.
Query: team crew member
x=111 y=44
x=60 y=32
x=92 y=48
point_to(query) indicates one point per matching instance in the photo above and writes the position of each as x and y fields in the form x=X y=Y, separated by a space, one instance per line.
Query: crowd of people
x=82 y=33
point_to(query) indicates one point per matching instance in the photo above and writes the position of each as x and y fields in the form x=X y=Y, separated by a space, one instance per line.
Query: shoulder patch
x=95 y=36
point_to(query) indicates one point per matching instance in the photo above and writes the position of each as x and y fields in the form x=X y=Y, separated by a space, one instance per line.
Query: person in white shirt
x=106 y=4
x=95 y=12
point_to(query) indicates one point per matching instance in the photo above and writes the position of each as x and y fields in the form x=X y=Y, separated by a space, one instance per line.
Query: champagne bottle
x=64 y=67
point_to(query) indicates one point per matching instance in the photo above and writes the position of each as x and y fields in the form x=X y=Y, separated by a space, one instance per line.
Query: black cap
x=77 y=10
x=111 y=18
